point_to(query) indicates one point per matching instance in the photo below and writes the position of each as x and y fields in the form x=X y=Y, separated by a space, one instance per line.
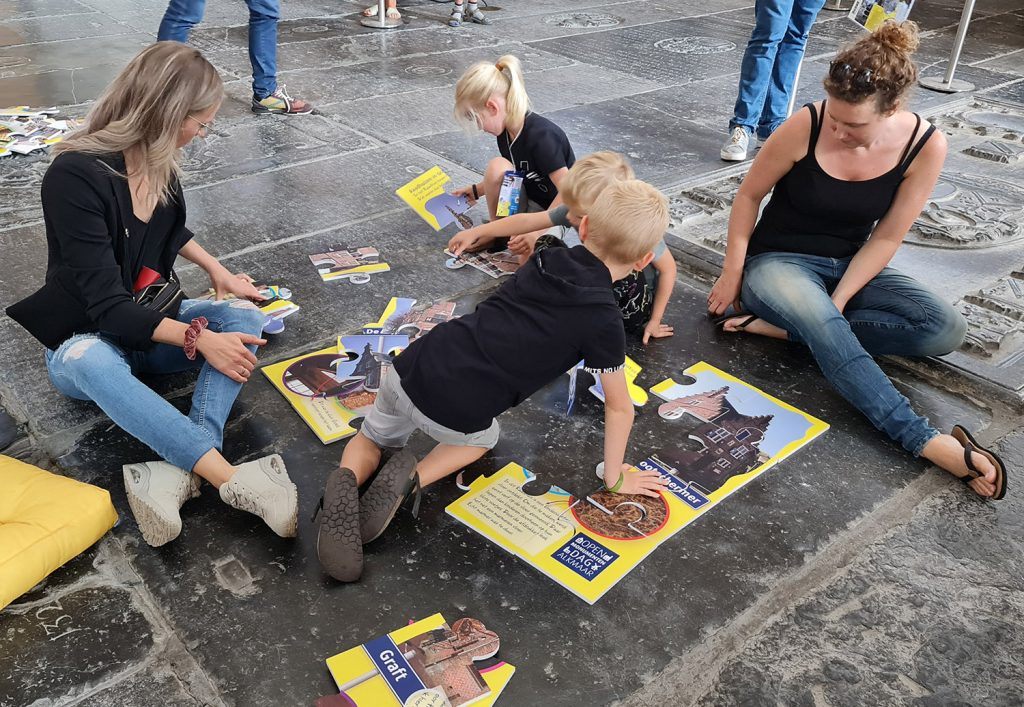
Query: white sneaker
x=262 y=487
x=156 y=492
x=735 y=148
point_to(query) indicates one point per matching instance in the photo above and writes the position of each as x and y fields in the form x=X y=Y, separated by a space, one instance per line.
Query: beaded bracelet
x=195 y=328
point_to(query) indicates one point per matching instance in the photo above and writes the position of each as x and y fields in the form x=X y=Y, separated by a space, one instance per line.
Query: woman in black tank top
x=848 y=177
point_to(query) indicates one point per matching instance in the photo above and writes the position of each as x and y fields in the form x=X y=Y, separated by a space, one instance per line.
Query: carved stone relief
x=997 y=151
x=995 y=318
x=583 y=20
x=985 y=118
x=982 y=212
x=700 y=214
x=695 y=45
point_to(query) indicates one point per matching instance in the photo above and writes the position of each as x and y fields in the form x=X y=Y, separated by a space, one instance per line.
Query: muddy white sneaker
x=735 y=148
x=156 y=492
x=262 y=487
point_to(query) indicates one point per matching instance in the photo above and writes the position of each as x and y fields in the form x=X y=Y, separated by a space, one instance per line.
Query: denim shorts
x=394 y=418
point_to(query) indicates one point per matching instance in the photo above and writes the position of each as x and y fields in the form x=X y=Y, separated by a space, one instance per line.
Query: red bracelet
x=192 y=336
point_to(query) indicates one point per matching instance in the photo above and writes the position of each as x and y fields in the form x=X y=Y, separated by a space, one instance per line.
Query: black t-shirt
x=557 y=310
x=540 y=149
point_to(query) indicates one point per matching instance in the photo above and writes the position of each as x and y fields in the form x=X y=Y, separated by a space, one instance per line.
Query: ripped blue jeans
x=92 y=367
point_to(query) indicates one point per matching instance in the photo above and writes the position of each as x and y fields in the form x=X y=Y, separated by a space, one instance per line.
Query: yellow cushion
x=45 y=520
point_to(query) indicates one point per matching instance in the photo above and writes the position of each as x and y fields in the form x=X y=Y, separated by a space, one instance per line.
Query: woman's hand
x=227 y=353
x=468 y=193
x=726 y=292
x=239 y=285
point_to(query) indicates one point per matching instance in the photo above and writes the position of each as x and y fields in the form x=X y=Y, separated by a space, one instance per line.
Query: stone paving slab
x=928 y=615
x=674 y=52
x=641 y=133
x=85 y=53
x=15 y=10
x=56 y=28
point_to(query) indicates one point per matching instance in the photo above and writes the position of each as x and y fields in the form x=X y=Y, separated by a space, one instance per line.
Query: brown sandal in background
x=961 y=435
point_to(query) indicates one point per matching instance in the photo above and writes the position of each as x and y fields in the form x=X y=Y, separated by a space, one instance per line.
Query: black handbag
x=164 y=296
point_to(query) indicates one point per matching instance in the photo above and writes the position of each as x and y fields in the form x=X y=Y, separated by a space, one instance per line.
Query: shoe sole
x=269 y=111
x=380 y=503
x=338 y=545
x=732 y=158
x=156 y=529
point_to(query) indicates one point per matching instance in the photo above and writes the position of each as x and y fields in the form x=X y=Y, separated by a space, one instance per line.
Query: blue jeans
x=92 y=367
x=182 y=15
x=771 y=61
x=892 y=315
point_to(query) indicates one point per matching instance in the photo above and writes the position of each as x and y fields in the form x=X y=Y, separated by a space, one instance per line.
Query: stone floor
x=850 y=575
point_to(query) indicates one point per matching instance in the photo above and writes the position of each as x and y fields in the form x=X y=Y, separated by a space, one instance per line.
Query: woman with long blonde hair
x=111 y=308
x=492 y=98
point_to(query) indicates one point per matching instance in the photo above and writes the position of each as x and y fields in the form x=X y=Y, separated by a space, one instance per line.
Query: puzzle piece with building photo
x=589 y=544
x=400 y=317
x=353 y=264
x=332 y=387
x=494 y=264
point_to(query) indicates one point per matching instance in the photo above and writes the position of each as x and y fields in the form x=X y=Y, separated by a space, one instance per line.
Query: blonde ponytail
x=481 y=81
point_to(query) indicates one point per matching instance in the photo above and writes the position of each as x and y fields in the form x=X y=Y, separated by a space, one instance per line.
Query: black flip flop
x=394 y=483
x=338 y=545
x=970 y=444
x=723 y=318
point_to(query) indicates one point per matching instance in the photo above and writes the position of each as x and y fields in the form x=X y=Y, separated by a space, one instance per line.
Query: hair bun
x=899 y=36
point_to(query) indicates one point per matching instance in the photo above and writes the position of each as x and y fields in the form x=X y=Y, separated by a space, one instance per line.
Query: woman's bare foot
x=756 y=326
x=947 y=453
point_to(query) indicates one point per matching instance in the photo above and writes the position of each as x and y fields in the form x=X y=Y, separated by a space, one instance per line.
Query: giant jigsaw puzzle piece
x=741 y=432
x=400 y=317
x=353 y=264
x=334 y=386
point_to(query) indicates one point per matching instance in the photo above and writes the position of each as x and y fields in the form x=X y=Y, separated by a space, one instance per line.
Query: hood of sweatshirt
x=565 y=275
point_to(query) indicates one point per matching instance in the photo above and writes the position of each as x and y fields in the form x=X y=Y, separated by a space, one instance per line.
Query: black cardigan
x=86 y=209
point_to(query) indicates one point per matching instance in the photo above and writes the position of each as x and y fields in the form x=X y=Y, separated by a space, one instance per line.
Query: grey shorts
x=394 y=418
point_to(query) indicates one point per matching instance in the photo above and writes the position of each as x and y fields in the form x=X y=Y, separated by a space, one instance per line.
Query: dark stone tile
x=1011 y=92
x=15 y=10
x=325 y=87
x=645 y=135
x=63 y=87
x=55 y=28
x=40 y=637
x=157 y=685
x=24 y=252
x=384 y=117
x=247 y=144
x=987 y=37
x=329 y=193
x=20 y=179
x=434 y=564
x=1012 y=63
x=674 y=52
x=708 y=103
x=926 y=615
x=80 y=54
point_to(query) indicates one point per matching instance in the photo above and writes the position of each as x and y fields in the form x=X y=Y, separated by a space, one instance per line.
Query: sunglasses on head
x=842 y=71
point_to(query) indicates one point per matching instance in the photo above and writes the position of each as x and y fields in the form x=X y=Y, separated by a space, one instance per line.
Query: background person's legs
x=789 y=54
x=179 y=18
x=772 y=18
x=263 y=18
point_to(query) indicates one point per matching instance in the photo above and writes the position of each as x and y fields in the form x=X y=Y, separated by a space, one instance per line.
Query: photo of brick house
x=730 y=439
x=416 y=323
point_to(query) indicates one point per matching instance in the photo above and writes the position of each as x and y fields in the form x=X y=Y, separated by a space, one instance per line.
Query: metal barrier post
x=381 y=21
x=947 y=84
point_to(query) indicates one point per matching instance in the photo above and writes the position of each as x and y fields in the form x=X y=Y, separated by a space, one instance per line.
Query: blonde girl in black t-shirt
x=492 y=98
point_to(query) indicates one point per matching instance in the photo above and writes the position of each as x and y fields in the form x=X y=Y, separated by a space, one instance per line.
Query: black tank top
x=813 y=213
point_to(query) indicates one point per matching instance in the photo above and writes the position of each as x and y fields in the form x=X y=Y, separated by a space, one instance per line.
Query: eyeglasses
x=205 y=128
x=860 y=78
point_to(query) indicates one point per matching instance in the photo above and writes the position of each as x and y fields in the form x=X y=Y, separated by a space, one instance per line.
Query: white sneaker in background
x=735 y=148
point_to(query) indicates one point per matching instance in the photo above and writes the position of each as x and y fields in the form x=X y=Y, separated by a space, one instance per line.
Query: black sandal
x=723 y=318
x=396 y=482
x=961 y=435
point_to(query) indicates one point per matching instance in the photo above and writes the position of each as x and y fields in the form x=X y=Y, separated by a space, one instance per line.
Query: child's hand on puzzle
x=465 y=240
x=656 y=330
x=643 y=483
x=468 y=193
x=522 y=245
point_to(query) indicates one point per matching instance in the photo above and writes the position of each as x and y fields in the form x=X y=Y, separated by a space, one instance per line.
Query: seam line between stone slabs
x=695 y=672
